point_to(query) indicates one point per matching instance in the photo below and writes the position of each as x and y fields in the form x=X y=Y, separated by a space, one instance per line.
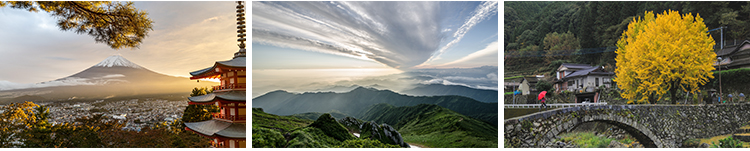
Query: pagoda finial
x=240 y=29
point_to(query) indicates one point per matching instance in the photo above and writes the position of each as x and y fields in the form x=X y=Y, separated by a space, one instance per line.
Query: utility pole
x=722 y=43
x=514 y=91
x=719 y=78
x=721 y=47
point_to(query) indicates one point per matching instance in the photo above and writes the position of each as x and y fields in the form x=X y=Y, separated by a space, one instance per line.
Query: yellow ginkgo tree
x=663 y=53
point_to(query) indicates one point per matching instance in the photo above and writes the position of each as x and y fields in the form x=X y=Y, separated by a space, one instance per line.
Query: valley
x=353 y=102
x=434 y=121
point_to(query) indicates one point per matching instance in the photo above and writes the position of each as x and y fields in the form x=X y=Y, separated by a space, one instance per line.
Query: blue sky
x=186 y=36
x=398 y=35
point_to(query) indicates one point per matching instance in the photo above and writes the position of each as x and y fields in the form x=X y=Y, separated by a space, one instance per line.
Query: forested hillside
x=539 y=36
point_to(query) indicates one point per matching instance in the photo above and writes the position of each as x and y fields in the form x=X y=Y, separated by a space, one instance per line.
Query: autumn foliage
x=663 y=53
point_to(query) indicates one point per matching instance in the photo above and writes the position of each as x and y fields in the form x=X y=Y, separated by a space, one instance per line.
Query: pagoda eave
x=218 y=67
x=218 y=129
x=224 y=97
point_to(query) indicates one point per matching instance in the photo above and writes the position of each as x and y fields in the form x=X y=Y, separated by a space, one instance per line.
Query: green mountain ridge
x=273 y=131
x=487 y=96
x=315 y=115
x=434 y=126
x=357 y=100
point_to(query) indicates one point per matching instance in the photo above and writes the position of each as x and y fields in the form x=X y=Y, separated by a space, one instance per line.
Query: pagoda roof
x=218 y=128
x=210 y=72
x=236 y=130
x=234 y=96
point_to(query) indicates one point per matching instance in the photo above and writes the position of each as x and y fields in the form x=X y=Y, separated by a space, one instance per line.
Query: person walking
x=541 y=97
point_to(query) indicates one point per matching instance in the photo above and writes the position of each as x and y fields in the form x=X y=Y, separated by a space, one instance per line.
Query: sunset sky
x=311 y=46
x=186 y=36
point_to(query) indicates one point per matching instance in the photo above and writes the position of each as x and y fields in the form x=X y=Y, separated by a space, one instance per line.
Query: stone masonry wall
x=652 y=125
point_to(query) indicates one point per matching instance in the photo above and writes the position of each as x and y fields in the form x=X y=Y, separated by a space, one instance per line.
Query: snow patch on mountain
x=117 y=60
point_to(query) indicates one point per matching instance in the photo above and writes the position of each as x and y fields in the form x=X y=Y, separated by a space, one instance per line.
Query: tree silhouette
x=116 y=24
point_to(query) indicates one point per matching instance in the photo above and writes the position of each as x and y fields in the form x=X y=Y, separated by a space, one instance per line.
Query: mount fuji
x=117 y=60
x=115 y=76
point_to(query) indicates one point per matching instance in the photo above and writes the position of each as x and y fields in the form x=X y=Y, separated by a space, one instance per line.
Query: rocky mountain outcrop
x=383 y=132
x=352 y=124
x=331 y=127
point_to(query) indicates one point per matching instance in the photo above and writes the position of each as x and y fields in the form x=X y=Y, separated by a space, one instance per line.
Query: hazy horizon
x=309 y=46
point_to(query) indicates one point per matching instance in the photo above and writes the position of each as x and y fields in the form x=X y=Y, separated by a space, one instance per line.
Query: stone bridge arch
x=651 y=125
x=638 y=131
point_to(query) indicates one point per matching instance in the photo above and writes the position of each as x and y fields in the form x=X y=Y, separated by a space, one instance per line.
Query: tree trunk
x=652 y=98
x=672 y=95
x=673 y=92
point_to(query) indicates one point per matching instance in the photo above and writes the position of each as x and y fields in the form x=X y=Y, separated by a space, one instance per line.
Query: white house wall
x=588 y=81
x=524 y=87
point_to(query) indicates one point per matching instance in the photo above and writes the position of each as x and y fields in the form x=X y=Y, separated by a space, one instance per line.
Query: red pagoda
x=227 y=128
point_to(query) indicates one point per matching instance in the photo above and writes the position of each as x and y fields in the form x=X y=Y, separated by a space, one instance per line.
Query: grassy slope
x=268 y=130
x=589 y=140
x=282 y=124
x=434 y=126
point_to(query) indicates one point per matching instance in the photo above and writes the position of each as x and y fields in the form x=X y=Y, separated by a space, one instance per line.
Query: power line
x=541 y=53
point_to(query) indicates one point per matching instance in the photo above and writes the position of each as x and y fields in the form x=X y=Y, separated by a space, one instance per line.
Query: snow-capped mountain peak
x=117 y=60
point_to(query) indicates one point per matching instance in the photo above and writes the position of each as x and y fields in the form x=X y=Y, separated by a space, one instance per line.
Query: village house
x=583 y=80
x=528 y=84
x=734 y=56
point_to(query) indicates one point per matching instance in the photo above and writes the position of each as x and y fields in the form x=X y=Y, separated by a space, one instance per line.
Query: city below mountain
x=113 y=77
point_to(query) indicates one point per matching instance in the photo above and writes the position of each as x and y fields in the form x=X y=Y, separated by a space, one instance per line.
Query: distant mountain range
x=354 y=102
x=337 y=89
x=315 y=115
x=115 y=76
x=488 y=96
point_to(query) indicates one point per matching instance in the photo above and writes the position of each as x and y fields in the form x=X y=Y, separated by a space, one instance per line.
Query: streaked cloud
x=483 y=12
x=488 y=54
x=396 y=34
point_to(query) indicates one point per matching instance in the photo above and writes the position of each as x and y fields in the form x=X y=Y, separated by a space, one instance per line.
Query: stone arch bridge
x=651 y=125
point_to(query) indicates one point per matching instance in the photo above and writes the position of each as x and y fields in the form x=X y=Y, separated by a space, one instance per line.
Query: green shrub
x=310 y=137
x=627 y=140
x=267 y=138
x=728 y=142
x=544 y=86
x=733 y=80
x=586 y=139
